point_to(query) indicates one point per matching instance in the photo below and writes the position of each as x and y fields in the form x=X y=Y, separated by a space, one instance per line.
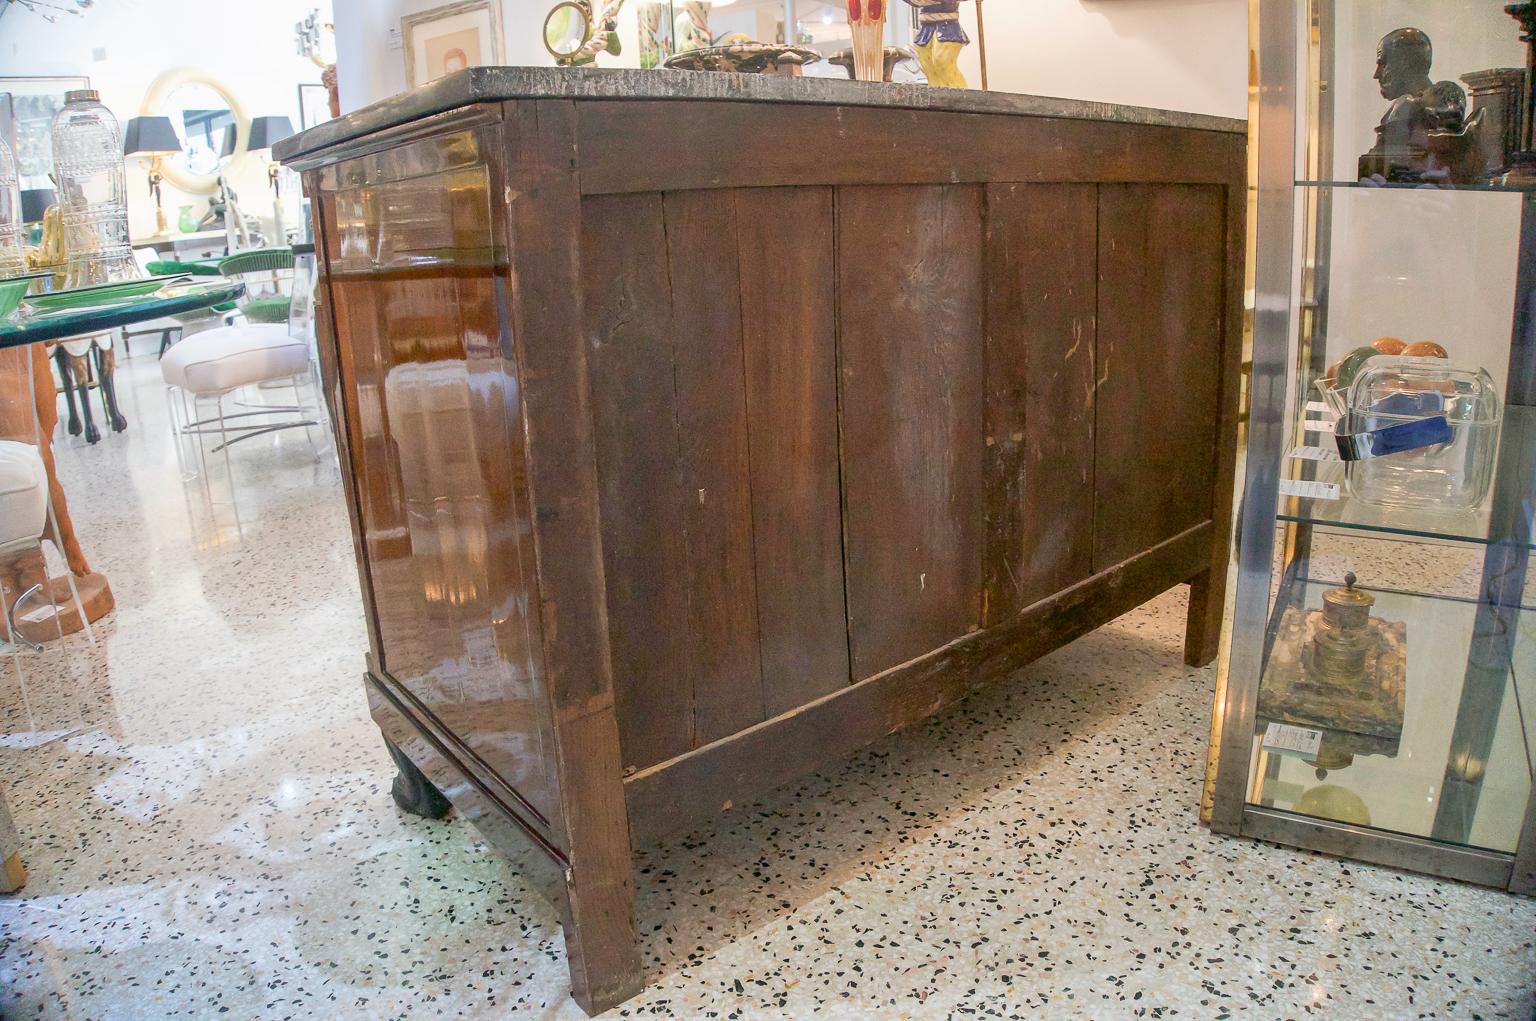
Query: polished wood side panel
x=1041 y=340
x=1161 y=286
x=754 y=145
x=789 y=332
x=910 y=301
x=434 y=443
x=674 y=795
x=628 y=332
x=724 y=668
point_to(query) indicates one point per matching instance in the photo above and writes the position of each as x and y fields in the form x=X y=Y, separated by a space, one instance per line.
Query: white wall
x=369 y=69
x=1175 y=54
x=1170 y=54
x=123 y=45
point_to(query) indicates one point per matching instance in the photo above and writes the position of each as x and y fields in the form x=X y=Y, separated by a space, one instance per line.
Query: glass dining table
x=29 y=414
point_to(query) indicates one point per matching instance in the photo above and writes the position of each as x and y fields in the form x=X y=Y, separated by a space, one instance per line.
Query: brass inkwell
x=1341 y=671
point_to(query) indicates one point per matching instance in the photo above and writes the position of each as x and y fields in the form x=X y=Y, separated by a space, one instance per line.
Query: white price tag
x=1282 y=737
x=1319 y=408
x=1317 y=425
x=1309 y=490
x=1314 y=453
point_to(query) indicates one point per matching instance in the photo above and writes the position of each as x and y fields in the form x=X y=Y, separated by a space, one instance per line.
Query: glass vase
x=92 y=191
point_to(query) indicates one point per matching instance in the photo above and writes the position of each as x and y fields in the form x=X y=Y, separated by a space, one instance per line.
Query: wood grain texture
x=668 y=798
x=724 y=670
x=546 y=332
x=1041 y=339
x=745 y=145
x=628 y=334
x=790 y=337
x=1161 y=285
x=1208 y=590
x=910 y=325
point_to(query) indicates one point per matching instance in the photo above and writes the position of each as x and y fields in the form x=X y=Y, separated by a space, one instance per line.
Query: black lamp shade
x=150 y=136
x=227 y=147
x=35 y=202
x=267 y=131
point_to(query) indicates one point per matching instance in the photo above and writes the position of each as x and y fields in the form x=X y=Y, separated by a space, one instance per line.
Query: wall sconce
x=152 y=139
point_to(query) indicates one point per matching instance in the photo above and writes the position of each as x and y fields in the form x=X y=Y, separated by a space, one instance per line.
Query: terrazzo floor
x=205 y=814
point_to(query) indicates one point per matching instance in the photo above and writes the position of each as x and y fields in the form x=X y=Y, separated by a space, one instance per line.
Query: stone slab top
x=496 y=84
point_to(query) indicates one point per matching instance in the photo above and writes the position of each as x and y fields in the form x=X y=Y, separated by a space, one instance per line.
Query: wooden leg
x=601 y=944
x=412 y=790
x=1207 y=603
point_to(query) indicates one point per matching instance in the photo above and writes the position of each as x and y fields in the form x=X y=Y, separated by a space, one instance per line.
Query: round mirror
x=567 y=29
x=207 y=118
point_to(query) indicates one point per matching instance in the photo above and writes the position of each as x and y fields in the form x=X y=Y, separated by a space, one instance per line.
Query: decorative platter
x=745 y=58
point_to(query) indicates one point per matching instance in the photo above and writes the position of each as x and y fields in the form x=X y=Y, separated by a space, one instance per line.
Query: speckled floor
x=205 y=813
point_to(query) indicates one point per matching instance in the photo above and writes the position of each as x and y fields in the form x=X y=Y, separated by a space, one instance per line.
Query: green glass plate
x=99 y=294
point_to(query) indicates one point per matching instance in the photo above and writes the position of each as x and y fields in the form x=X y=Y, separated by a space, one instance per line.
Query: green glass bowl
x=12 y=289
x=100 y=294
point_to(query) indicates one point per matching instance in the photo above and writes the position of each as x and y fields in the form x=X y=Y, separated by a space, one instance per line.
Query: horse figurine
x=75 y=359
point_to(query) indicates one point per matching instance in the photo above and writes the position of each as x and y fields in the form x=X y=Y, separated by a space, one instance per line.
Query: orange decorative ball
x=1425 y=349
x=1388 y=345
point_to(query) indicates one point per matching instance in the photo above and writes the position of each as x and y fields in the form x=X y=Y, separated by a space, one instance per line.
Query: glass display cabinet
x=1378 y=700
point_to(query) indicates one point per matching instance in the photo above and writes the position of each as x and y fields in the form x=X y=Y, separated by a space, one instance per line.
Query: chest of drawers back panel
x=692 y=445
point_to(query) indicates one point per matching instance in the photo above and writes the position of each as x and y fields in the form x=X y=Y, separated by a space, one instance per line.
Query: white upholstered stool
x=214 y=363
x=23 y=515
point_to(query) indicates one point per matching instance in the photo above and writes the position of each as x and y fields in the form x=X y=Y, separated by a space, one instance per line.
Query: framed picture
x=29 y=129
x=451 y=38
x=314 y=106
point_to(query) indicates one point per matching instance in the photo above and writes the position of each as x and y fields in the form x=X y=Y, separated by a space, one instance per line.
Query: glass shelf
x=1397 y=783
x=1456 y=526
x=1422 y=186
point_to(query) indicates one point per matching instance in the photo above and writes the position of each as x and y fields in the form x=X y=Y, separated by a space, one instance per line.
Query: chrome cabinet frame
x=1278 y=279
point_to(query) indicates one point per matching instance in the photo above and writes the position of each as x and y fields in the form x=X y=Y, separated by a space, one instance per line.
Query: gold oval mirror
x=201 y=108
x=567 y=29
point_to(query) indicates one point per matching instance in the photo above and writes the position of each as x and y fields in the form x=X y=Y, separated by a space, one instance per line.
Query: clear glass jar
x=12 y=261
x=1398 y=394
x=92 y=191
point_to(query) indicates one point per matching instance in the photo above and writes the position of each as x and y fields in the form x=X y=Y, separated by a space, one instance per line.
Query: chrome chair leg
x=10 y=619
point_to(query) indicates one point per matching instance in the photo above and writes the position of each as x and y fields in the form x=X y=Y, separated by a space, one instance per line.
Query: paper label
x=1319 y=408
x=37 y=616
x=1317 y=425
x=1315 y=453
x=1282 y=737
x=1309 y=490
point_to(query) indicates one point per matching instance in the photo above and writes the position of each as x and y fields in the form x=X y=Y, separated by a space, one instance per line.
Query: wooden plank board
x=743 y=145
x=1161 y=284
x=1041 y=338
x=724 y=671
x=1208 y=590
x=627 y=333
x=547 y=330
x=789 y=330
x=672 y=795
x=910 y=303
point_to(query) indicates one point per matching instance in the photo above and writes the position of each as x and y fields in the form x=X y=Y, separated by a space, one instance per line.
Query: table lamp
x=152 y=139
x=265 y=133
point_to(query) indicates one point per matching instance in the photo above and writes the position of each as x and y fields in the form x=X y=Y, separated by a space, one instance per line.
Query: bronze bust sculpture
x=1421 y=107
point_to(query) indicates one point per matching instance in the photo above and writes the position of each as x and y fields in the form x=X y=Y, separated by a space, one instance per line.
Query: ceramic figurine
x=893 y=56
x=867 y=19
x=940 y=38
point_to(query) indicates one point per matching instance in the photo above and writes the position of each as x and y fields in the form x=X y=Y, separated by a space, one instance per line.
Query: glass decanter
x=92 y=191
